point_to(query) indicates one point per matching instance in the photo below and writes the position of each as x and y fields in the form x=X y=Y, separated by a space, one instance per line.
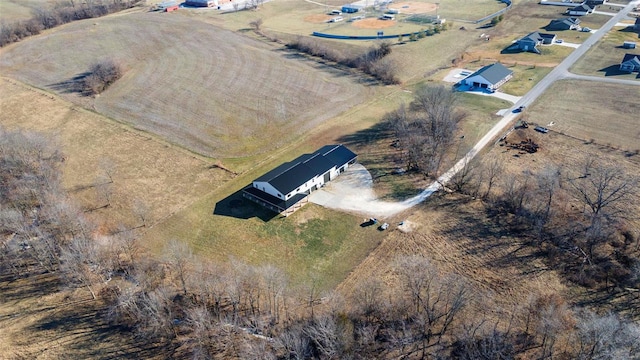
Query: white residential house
x=489 y=77
x=284 y=188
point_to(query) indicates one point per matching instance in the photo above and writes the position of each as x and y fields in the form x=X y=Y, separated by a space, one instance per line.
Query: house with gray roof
x=580 y=10
x=532 y=40
x=285 y=188
x=570 y=23
x=630 y=63
x=489 y=77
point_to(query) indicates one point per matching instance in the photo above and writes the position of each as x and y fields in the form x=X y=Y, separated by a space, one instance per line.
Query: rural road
x=377 y=208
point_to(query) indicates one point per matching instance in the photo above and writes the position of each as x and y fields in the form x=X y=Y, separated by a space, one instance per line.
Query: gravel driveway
x=353 y=191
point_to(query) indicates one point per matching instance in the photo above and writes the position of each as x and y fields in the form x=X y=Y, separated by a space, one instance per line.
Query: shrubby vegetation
x=576 y=218
x=426 y=130
x=62 y=13
x=372 y=62
x=101 y=76
x=191 y=308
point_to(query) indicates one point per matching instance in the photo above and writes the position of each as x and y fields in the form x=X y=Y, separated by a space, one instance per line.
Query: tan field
x=204 y=88
x=609 y=118
x=147 y=172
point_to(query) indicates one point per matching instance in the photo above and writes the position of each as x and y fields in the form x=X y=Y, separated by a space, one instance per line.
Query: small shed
x=628 y=45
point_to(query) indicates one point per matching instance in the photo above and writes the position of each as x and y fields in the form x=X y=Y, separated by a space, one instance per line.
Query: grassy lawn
x=467 y=9
x=524 y=78
x=604 y=58
x=480 y=118
x=312 y=243
x=609 y=117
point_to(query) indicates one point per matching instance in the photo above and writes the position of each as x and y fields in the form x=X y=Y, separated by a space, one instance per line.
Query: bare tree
x=85 y=263
x=436 y=299
x=606 y=337
x=101 y=76
x=427 y=130
x=256 y=24
x=179 y=257
x=602 y=188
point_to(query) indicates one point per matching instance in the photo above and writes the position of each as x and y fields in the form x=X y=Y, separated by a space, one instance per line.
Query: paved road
x=559 y=72
x=570 y=75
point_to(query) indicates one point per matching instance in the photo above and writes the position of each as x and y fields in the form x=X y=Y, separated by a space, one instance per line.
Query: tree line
x=199 y=309
x=371 y=62
x=62 y=13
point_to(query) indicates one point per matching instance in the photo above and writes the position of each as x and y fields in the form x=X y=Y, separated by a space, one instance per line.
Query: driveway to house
x=567 y=44
x=345 y=193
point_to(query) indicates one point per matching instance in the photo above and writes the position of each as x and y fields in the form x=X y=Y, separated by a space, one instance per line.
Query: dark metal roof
x=282 y=205
x=635 y=58
x=494 y=73
x=563 y=23
x=582 y=7
x=289 y=176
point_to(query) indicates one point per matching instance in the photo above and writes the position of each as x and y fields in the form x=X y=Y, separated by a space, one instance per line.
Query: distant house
x=570 y=23
x=580 y=10
x=489 y=77
x=201 y=3
x=630 y=63
x=594 y=3
x=285 y=188
x=532 y=40
x=628 y=45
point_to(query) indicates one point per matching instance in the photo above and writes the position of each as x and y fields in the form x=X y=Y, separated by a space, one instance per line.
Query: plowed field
x=210 y=90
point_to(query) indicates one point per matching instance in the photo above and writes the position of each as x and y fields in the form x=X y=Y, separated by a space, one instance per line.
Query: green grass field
x=524 y=78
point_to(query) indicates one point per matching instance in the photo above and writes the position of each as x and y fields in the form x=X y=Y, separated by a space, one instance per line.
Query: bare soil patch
x=317 y=18
x=373 y=23
x=210 y=90
x=412 y=7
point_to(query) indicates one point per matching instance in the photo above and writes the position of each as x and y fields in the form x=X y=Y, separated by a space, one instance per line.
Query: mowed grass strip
x=197 y=85
x=148 y=174
x=602 y=112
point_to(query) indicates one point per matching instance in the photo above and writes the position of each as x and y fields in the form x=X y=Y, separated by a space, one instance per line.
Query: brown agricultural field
x=609 y=117
x=207 y=89
x=141 y=173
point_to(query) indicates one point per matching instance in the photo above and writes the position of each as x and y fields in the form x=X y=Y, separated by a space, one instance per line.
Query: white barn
x=284 y=188
x=489 y=77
